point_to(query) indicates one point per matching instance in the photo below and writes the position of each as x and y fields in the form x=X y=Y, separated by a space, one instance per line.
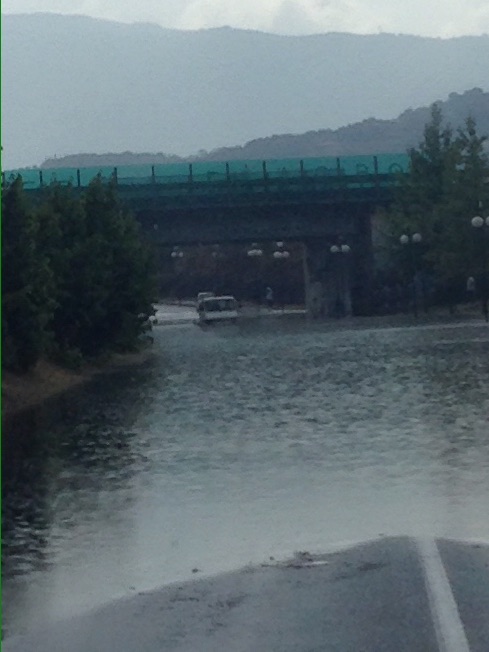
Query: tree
x=62 y=238
x=76 y=275
x=464 y=192
x=445 y=185
x=115 y=280
x=27 y=282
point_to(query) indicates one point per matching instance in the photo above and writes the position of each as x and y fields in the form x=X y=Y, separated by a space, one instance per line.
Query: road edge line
x=449 y=628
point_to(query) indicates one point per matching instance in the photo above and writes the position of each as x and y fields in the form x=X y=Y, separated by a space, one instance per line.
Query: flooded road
x=238 y=443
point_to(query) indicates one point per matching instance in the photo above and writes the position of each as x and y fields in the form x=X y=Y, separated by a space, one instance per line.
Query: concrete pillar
x=327 y=281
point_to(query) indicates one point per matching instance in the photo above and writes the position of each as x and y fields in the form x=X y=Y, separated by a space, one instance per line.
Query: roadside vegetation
x=78 y=280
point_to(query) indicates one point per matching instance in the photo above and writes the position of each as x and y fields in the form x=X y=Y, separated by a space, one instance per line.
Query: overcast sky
x=444 y=18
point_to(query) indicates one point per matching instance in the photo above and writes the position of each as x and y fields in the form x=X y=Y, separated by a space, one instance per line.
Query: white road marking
x=449 y=628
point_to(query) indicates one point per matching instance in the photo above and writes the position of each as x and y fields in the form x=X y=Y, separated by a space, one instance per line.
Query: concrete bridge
x=321 y=202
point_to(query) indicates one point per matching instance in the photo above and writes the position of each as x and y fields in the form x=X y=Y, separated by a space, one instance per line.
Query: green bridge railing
x=210 y=172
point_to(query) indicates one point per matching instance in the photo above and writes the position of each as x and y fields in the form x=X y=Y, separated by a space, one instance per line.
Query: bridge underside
x=335 y=284
x=223 y=224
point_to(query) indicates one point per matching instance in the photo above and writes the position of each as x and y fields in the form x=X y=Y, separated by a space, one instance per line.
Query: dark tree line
x=77 y=277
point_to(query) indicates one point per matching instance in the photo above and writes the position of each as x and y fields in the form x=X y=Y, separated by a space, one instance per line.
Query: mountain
x=370 y=136
x=76 y=84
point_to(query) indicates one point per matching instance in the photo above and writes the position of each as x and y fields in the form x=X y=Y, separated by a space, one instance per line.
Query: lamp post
x=281 y=254
x=481 y=224
x=177 y=255
x=218 y=269
x=340 y=253
x=255 y=251
x=411 y=241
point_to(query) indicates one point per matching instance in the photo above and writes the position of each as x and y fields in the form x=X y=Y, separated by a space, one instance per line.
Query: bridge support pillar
x=327 y=281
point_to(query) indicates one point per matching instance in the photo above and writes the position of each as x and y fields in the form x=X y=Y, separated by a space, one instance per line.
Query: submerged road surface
x=391 y=595
x=243 y=442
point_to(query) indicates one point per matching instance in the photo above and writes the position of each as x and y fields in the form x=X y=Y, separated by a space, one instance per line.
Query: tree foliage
x=446 y=185
x=27 y=283
x=76 y=274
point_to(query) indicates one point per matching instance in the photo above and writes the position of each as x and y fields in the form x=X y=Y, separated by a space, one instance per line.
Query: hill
x=371 y=136
x=367 y=137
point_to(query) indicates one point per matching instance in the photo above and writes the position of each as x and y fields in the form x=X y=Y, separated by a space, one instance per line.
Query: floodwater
x=238 y=443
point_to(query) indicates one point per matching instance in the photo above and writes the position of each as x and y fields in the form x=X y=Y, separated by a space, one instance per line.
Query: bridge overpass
x=320 y=202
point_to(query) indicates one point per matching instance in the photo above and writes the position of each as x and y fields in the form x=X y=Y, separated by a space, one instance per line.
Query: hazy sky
x=444 y=18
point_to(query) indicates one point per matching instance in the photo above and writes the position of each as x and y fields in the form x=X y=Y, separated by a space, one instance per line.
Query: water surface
x=240 y=443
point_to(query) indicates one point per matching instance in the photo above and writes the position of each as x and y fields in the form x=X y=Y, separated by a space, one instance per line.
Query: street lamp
x=177 y=255
x=218 y=269
x=406 y=240
x=280 y=252
x=340 y=249
x=255 y=251
x=340 y=252
x=479 y=223
x=253 y=285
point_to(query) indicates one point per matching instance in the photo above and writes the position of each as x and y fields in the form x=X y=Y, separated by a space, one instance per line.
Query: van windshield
x=219 y=305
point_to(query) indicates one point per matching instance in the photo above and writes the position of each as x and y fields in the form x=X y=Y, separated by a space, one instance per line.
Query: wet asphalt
x=392 y=595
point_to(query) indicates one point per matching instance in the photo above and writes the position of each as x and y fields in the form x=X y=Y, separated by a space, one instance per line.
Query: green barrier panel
x=171 y=172
x=161 y=180
x=142 y=172
x=63 y=176
x=393 y=163
x=354 y=165
x=87 y=174
x=218 y=171
x=321 y=167
x=212 y=176
x=134 y=181
x=30 y=178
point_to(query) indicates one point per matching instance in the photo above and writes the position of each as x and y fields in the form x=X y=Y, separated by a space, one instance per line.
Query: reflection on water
x=243 y=442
